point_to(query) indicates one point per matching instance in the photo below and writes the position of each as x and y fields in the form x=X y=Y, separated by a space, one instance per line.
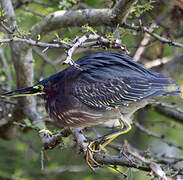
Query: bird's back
x=110 y=80
x=107 y=84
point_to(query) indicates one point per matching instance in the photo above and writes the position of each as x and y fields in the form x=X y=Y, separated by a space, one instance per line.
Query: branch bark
x=23 y=65
x=170 y=111
x=64 y=19
x=156 y=36
x=122 y=9
x=8 y=8
x=92 y=17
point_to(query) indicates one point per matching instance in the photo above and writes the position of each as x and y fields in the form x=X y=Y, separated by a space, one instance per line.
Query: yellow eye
x=40 y=87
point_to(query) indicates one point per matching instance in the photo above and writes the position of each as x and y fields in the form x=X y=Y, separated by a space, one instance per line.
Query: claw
x=99 y=144
x=45 y=131
x=102 y=148
x=92 y=163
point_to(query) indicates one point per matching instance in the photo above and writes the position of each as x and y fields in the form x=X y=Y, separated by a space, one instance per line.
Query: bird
x=106 y=87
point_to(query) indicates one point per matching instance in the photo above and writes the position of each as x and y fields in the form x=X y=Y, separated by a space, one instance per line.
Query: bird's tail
x=165 y=86
x=181 y=91
x=172 y=88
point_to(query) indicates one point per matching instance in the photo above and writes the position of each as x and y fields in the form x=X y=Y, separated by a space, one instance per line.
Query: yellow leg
x=89 y=156
x=100 y=144
x=108 y=138
x=46 y=131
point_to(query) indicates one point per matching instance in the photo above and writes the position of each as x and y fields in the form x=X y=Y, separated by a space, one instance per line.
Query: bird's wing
x=112 y=80
x=111 y=92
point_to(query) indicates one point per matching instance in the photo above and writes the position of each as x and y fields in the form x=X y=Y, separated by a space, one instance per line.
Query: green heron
x=106 y=86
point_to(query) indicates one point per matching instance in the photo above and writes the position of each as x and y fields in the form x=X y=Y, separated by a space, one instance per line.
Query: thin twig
x=6 y=28
x=101 y=39
x=37 y=43
x=142 y=46
x=156 y=36
x=156 y=169
x=45 y=57
x=42 y=159
x=5 y=66
x=149 y=133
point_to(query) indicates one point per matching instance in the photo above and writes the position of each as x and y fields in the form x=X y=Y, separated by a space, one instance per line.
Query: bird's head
x=41 y=88
x=37 y=89
x=44 y=87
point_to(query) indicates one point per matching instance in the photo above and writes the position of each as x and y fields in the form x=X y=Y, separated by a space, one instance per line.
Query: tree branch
x=170 y=111
x=60 y=19
x=23 y=64
x=122 y=9
x=156 y=36
x=10 y=14
x=101 y=40
x=5 y=65
x=149 y=133
x=32 y=42
x=92 y=17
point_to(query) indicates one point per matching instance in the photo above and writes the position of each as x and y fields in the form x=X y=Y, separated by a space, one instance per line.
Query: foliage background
x=20 y=156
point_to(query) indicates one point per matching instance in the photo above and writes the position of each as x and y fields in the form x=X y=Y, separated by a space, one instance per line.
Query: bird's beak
x=29 y=91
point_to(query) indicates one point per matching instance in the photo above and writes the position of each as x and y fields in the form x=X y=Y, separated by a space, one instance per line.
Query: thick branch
x=93 y=17
x=170 y=111
x=107 y=159
x=138 y=162
x=122 y=9
x=64 y=19
x=5 y=65
x=23 y=63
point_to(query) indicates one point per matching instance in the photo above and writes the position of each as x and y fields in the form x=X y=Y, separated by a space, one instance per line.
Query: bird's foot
x=100 y=143
x=93 y=148
x=46 y=132
x=50 y=140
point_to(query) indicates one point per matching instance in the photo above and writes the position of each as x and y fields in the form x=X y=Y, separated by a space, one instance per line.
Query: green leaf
x=28 y=123
x=5 y=20
x=140 y=9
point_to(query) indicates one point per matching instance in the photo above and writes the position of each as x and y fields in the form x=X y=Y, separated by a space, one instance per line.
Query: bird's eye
x=40 y=87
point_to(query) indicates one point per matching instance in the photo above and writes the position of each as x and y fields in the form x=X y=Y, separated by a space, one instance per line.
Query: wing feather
x=111 y=92
x=109 y=80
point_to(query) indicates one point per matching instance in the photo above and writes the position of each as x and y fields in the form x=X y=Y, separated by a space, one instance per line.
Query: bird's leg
x=124 y=128
x=100 y=143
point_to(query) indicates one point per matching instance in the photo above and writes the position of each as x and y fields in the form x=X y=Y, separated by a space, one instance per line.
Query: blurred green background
x=20 y=157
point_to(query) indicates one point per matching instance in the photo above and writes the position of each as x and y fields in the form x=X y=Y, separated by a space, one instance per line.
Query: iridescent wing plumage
x=110 y=80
